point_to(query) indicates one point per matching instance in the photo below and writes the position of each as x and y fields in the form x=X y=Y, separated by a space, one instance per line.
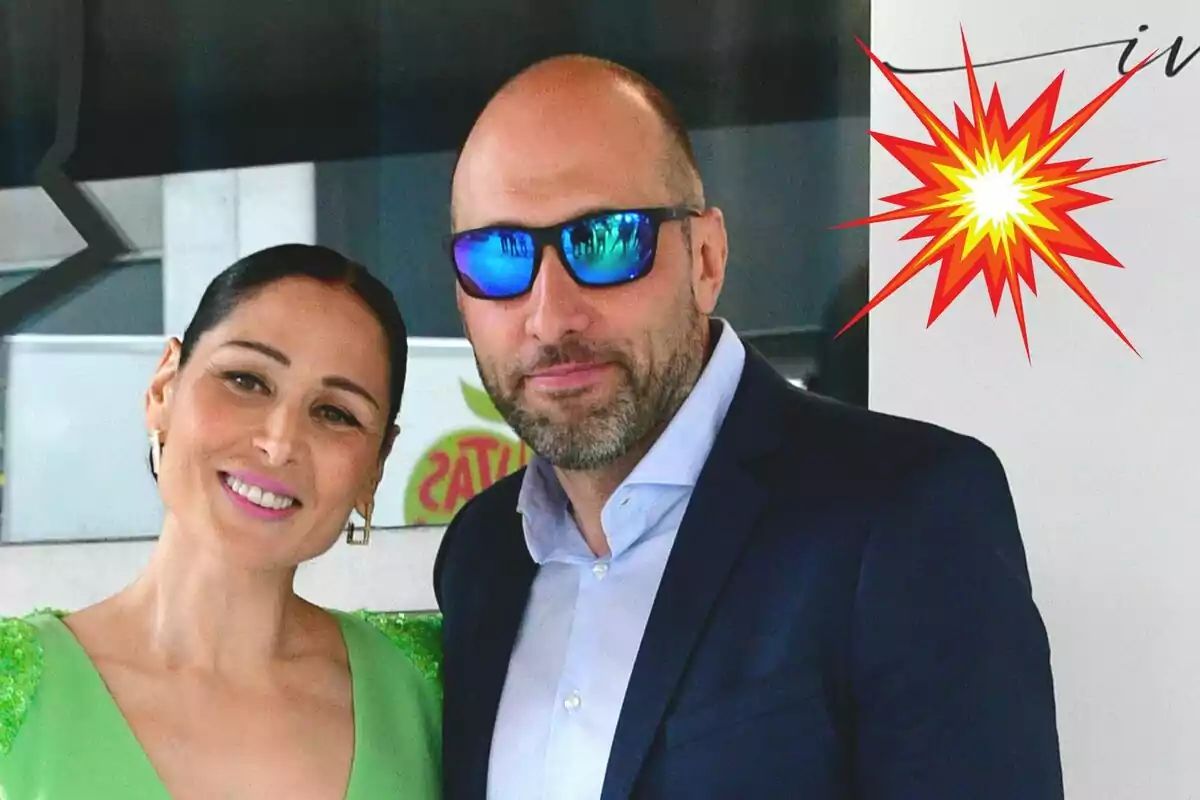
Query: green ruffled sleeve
x=20 y=672
x=419 y=636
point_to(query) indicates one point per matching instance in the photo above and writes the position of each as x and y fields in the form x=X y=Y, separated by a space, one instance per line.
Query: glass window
x=126 y=300
x=207 y=130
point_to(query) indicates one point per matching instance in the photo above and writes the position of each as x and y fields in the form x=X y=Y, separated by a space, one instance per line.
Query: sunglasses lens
x=610 y=249
x=495 y=263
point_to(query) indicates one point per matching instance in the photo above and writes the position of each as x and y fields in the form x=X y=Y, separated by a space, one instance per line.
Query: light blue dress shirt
x=585 y=618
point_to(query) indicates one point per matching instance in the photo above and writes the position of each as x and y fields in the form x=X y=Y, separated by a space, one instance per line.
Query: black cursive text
x=1174 y=55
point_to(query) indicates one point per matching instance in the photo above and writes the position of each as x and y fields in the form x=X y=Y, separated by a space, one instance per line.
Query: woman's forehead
x=304 y=318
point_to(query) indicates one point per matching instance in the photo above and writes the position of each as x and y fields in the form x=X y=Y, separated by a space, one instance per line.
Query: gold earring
x=155 y=450
x=366 y=529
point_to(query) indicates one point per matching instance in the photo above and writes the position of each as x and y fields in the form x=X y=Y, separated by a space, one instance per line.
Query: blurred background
x=210 y=128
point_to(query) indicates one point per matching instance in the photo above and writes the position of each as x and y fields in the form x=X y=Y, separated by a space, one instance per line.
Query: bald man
x=707 y=583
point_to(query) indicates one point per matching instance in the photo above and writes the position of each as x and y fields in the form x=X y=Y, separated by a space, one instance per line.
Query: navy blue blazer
x=846 y=614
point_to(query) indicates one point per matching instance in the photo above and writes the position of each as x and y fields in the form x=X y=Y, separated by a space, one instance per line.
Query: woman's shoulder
x=415 y=635
x=22 y=657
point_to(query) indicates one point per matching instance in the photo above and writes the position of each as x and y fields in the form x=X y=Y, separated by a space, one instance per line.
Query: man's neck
x=588 y=491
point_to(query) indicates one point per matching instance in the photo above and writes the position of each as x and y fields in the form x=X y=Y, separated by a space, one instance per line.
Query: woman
x=208 y=676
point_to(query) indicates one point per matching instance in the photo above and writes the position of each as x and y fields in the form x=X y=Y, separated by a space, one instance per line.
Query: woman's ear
x=388 y=441
x=162 y=387
x=366 y=500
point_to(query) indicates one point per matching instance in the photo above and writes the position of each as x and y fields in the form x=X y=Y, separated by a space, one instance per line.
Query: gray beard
x=607 y=433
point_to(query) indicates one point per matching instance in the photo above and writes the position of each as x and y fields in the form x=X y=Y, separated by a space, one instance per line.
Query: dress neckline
x=118 y=721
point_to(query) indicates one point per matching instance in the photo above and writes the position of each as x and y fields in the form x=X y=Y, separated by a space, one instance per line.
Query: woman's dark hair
x=245 y=278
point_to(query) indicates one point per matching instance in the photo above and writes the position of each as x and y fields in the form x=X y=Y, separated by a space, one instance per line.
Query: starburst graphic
x=990 y=197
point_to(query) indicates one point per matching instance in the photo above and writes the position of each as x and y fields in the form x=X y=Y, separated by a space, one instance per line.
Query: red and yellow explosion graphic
x=990 y=197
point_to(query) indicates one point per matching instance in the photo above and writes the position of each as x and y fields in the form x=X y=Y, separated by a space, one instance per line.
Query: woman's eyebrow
x=332 y=381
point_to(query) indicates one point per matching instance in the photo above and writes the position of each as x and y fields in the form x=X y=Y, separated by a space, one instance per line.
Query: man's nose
x=281 y=435
x=558 y=306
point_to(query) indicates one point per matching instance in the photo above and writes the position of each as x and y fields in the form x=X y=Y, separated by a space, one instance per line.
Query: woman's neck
x=194 y=611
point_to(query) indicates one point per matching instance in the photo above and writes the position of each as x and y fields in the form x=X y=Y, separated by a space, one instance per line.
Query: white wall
x=211 y=219
x=1100 y=445
x=392 y=573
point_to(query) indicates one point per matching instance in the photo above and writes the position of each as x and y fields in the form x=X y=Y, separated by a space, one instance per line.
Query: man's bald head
x=552 y=100
x=565 y=139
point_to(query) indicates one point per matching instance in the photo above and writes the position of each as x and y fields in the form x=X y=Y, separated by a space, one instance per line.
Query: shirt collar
x=678 y=456
x=675 y=459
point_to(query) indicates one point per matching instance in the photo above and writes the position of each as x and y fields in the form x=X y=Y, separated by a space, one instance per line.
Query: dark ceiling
x=178 y=85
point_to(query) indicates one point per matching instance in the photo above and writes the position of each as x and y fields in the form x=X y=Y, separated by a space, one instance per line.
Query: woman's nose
x=281 y=435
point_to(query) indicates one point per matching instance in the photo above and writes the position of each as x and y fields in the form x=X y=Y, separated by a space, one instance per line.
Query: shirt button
x=600 y=569
x=572 y=702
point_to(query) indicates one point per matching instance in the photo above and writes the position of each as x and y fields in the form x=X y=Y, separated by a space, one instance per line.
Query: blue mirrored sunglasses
x=603 y=248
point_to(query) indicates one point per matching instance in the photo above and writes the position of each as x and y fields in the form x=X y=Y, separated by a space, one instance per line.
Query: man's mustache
x=573 y=352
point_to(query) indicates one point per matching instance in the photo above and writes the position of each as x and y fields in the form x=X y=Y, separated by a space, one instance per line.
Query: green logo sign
x=461 y=464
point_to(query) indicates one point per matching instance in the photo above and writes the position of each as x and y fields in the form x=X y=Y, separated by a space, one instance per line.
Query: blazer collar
x=725 y=506
x=724 y=510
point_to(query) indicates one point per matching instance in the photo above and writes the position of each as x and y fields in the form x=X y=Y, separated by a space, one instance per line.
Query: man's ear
x=712 y=252
x=159 y=395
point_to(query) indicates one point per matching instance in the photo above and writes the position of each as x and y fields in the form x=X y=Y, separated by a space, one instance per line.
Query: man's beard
x=647 y=397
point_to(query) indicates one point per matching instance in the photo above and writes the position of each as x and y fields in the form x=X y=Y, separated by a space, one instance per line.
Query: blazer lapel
x=497 y=618
x=724 y=509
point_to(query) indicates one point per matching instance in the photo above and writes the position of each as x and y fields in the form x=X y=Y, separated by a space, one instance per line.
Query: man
x=708 y=583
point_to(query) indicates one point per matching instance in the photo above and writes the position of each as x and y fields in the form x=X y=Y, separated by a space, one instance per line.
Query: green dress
x=62 y=736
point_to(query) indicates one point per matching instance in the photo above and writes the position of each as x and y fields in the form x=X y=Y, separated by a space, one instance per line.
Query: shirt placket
x=574 y=768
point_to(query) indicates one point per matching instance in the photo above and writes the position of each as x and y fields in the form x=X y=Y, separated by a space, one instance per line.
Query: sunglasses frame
x=552 y=236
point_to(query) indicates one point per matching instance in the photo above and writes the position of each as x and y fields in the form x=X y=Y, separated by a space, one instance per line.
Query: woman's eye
x=337 y=416
x=245 y=381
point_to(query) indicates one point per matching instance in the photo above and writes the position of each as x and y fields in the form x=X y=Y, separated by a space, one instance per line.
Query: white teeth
x=258 y=495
